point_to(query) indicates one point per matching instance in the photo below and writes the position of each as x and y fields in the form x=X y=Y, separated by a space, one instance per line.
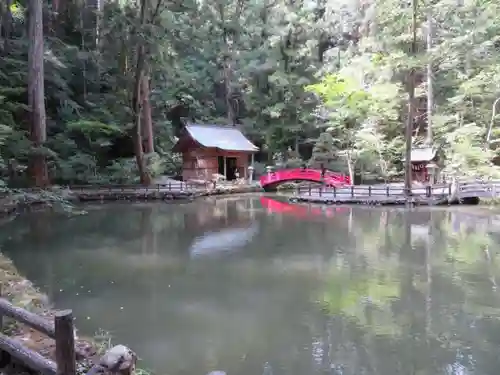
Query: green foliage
x=288 y=72
x=363 y=103
x=324 y=151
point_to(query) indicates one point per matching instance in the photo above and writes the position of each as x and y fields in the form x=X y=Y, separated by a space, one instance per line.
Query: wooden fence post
x=1 y=316
x=65 y=343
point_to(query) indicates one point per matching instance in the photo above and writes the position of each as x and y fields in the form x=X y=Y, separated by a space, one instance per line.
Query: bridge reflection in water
x=299 y=211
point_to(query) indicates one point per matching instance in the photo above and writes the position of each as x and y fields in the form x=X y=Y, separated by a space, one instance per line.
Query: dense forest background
x=93 y=91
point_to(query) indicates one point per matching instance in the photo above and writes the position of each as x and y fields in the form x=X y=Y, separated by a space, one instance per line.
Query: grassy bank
x=22 y=293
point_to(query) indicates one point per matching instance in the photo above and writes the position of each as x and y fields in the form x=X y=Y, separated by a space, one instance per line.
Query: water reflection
x=223 y=241
x=293 y=290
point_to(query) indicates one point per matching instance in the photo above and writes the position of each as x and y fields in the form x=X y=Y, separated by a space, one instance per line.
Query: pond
x=254 y=285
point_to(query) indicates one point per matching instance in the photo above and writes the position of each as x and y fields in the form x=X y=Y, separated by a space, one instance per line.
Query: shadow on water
x=257 y=286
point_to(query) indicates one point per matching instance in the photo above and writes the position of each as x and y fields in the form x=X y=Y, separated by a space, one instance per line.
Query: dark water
x=251 y=286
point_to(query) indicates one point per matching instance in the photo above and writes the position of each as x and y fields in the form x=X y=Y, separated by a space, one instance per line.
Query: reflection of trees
x=399 y=292
x=432 y=309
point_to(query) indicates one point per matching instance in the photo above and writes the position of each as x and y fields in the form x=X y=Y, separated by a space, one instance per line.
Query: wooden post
x=65 y=343
x=252 y=162
x=370 y=191
x=1 y=316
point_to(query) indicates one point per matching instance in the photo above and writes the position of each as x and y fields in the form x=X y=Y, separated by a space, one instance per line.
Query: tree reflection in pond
x=435 y=306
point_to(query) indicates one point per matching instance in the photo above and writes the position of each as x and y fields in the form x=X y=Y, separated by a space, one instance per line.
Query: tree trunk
x=36 y=103
x=350 y=168
x=430 y=91
x=6 y=26
x=147 y=122
x=55 y=6
x=145 y=178
x=229 y=94
x=411 y=104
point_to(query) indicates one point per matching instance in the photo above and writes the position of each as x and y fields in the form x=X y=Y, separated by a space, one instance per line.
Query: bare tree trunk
x=136 y=106
x=6 y=26
x=60 y=17
x=36 y=103
x=231 y=115
x=228 y=60
x=147 y=122
x=411 y=104
x=145 y=178
x=350 y=167
x=430 y=91
x=55 y=6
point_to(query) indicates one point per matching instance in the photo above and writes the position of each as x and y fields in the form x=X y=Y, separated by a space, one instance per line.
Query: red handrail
x=304 y=174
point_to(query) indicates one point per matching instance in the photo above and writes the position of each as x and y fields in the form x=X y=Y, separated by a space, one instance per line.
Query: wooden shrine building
x=214 y=149
x=426 y=165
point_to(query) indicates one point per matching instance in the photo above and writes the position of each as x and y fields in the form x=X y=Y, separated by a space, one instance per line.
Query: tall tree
x=137 y=99
x=36 y=94
x=411 y=102
x=430 y=88
x=147 y=121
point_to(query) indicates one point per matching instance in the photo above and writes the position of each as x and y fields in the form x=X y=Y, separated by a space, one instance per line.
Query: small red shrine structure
x=425 y=165
x=214 y=149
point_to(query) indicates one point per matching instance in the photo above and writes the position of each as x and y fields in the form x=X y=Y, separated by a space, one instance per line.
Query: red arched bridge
x=271 y=180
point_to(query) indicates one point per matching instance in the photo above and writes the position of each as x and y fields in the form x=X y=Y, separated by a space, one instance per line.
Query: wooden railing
x=480 y=188
x=179 y=186
x=463 y=189
x=375 y=191
x=172 y=186
x=61 y=330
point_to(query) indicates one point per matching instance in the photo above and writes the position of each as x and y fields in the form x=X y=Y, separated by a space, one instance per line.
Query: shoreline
x=21 y=292
x=65 y=198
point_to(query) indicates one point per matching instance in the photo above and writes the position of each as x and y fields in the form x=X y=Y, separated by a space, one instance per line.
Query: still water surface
x=253 y=286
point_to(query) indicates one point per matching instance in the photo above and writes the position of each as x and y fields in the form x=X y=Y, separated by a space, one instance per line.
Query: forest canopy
x=95 y=91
